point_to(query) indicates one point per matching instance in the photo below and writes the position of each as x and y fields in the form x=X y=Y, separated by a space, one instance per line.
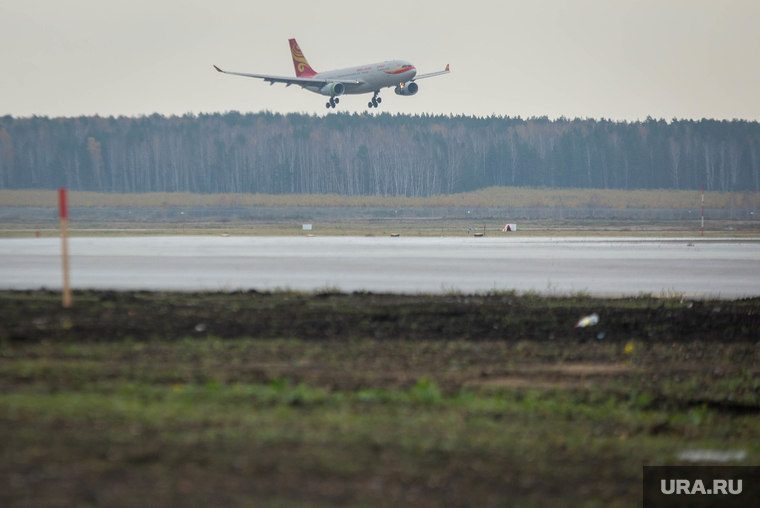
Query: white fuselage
x=371 y=77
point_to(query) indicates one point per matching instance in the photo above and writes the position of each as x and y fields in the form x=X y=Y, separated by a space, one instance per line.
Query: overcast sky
x=619 y=59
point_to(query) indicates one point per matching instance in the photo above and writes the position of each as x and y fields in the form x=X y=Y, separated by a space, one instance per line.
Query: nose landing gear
x=375 y=100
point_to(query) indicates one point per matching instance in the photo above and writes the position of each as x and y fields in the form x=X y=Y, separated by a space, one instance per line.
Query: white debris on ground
x=590 y=320
x=712 y=455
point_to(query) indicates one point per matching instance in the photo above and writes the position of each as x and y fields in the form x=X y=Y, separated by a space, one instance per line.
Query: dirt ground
x=293 y=399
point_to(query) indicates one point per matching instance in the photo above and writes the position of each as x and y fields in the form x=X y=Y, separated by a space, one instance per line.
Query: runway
x=600 y=266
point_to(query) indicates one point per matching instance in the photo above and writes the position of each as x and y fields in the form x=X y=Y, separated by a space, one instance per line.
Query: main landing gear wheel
x=375 y=100
x=337 y=101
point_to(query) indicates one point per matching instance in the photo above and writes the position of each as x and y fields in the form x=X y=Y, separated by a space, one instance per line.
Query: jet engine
x=408 y=88
x=333 y=89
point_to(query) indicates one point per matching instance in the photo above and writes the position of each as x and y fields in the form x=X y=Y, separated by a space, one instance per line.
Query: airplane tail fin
x=303 y=69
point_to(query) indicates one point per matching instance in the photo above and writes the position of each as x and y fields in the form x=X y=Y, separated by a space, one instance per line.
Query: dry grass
x=490 y=197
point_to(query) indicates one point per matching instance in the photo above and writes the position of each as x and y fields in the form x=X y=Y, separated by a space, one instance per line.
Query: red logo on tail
x=303 y=69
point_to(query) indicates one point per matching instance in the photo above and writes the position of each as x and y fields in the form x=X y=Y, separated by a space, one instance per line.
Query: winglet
x=447 y=67
x=217 y=68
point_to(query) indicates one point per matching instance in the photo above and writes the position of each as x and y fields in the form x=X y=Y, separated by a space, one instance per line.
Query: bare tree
x=753 y=150
x=675 y=160
x=734 y=158
x=709 y=165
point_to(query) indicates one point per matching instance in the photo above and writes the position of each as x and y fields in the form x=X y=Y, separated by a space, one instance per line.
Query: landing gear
x=375 y=100
x=332 y=103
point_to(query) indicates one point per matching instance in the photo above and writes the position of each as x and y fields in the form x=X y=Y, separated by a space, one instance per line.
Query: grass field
x=490 y=197
x=289 y=399
x=542 y=212
x=437 y=228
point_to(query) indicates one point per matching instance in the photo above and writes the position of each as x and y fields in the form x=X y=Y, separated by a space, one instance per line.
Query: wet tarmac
x=599 y=266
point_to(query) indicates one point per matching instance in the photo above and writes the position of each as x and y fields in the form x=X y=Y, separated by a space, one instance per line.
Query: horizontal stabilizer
x=439 y=73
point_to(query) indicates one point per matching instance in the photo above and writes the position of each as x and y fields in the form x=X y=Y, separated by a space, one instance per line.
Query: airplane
x=351 y=81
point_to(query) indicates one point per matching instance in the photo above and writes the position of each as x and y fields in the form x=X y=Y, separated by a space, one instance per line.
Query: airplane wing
x=293 y=81
x=446 y=71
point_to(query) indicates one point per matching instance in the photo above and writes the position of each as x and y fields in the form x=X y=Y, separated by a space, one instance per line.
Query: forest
x=383 y=155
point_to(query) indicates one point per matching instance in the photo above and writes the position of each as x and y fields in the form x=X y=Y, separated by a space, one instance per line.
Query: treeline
x=381 y=155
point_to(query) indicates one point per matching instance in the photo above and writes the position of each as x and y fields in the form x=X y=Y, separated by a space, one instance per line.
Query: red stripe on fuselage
x=400 y=71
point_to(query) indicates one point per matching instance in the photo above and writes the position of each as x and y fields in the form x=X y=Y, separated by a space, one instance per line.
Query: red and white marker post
x=703 y=209
x=63 y=213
